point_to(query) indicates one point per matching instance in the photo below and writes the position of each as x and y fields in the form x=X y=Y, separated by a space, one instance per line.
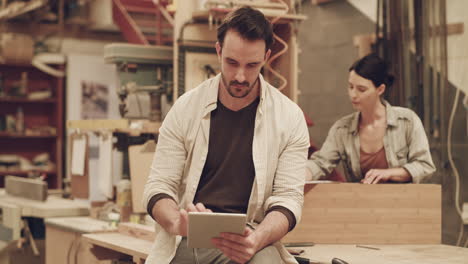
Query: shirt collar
x=391 y=117
x=212 y=96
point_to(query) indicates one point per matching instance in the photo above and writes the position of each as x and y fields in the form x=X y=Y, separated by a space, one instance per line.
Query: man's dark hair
x=250 y=23
x=373 y=68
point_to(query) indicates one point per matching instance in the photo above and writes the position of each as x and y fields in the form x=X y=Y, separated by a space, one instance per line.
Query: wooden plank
x=138 y=231
x=81 y=224
x=465 y=213
x=118 y=242
x=11 y=219
x=388 y=254
x=52 y=207
x=350 y=213
x=33 y=189
x=97 y=124
x=320 y=2
x=140 y=158
x=18 y=8
x=203 y=15
x=79 y=183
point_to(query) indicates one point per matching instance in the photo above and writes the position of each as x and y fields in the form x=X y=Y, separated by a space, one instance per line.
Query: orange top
x=377 y=160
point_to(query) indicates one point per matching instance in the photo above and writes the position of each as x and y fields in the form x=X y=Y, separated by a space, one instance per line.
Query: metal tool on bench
x=141 y=69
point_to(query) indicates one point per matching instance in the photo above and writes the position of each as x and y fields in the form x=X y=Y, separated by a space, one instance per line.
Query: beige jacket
x=279 y=151
x=405 y=144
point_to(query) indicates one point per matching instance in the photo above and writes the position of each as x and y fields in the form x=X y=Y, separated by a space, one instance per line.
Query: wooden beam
x=70 y=31
x=319 y=2
x=97 y=124
x=465 y=213
x=364 y=42
x=18 y=8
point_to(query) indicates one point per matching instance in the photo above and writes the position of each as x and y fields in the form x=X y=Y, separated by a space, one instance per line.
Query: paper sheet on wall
x=78 y=156
x=105 y=164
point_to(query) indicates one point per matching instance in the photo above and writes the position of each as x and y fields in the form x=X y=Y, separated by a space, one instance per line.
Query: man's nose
x=240 y=76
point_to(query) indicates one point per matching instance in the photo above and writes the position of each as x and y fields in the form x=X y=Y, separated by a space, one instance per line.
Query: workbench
x=16 y=211
x=64 y=241
x=138 y=250
x=402 y=220
x=114 y=245
x=15 y=208
x=52 y=207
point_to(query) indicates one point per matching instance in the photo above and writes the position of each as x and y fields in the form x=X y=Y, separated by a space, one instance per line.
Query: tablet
x=204 y=226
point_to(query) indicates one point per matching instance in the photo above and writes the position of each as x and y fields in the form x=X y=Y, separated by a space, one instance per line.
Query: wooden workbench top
x=52 y=207
x=321 y=253
x=388 y=254
x=80 y=224
x=135 y=247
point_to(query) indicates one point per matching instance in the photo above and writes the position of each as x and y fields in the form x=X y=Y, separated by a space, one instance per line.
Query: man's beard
x=231 y=91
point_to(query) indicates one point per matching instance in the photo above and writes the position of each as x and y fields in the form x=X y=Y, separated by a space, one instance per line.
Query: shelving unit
x=199 y=37
x=43 y=122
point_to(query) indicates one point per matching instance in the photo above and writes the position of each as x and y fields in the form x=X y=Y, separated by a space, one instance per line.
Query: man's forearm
x=166 y=212
x=271 y=229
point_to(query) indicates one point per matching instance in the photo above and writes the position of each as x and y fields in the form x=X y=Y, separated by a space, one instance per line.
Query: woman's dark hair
x=373 y=68
x=250 y=23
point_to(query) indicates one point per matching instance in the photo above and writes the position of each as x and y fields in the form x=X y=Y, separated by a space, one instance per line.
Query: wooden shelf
x=26 y=100
x=43 y=120
x=23 y=136
x=204 y=15
x=25 y=173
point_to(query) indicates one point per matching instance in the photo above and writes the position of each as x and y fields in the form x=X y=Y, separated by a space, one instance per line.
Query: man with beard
x=234 y=144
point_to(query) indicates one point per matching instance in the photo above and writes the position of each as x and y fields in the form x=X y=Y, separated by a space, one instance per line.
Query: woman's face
x=362 y=92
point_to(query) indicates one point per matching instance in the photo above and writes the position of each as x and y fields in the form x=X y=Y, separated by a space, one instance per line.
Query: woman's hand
x=375 y=176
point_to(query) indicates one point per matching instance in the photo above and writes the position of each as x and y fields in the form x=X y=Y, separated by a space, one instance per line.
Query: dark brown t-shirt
x=229 y=172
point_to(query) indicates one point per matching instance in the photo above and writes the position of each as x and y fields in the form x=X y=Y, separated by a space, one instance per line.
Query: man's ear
x=267 y=55
x=381 y=89
x=218 y=50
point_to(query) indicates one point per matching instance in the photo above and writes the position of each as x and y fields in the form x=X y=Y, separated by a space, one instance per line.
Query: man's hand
x=179 y=223
x=239 y=248
x=374 y=176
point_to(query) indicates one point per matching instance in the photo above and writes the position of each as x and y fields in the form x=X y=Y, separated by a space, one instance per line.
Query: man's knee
x=268 y=255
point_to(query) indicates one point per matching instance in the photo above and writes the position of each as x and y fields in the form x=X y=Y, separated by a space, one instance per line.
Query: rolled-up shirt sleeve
x=288 y=184
x=420 y=164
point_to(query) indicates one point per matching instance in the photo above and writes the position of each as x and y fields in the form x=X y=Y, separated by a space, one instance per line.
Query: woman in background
x=379 y=143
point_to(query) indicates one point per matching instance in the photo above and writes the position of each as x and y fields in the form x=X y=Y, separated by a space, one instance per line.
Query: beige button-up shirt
x=405 y=144
x=279 y=151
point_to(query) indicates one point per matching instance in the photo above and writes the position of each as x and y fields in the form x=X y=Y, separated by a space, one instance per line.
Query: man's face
x=241 y=61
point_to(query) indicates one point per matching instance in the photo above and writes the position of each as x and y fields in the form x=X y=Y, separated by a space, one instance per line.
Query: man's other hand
x=239 y=248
